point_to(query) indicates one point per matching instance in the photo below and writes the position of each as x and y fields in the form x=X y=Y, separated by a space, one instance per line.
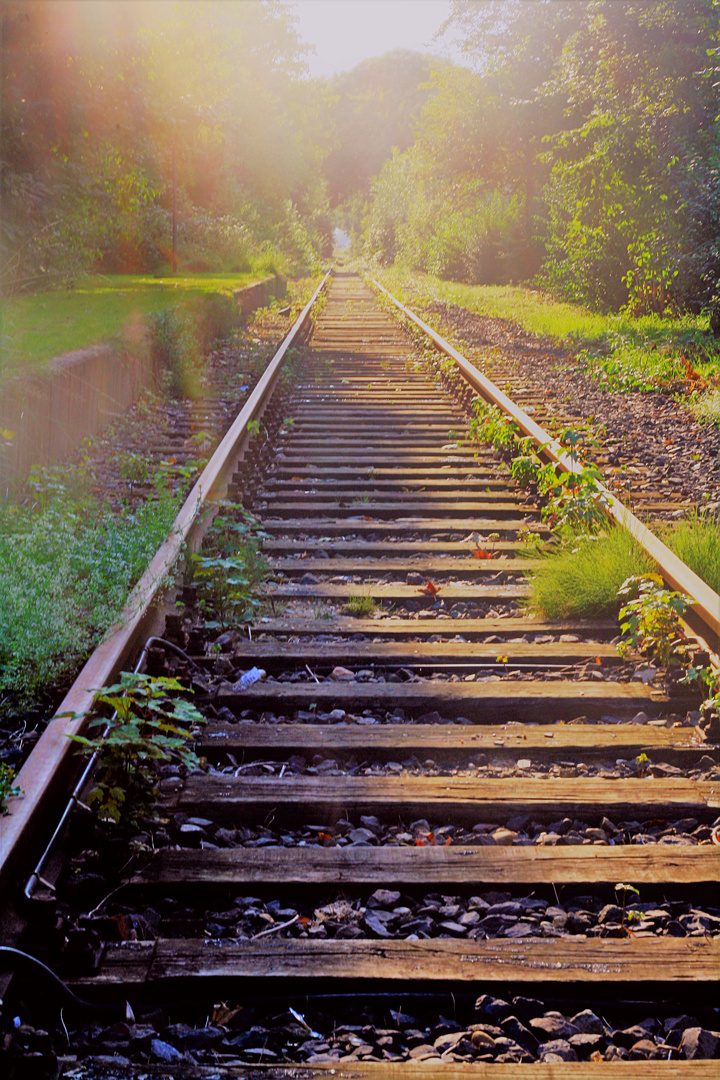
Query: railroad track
x=421 y=834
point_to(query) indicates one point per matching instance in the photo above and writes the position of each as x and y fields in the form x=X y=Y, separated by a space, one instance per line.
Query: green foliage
x=581 y=579
x=67 y=564
x=7 y=788
x=148 y=726
x=361 y=606
x=573 y=500
x=650 y=619
x=580 y=151
x=229 y=568
x=524 y=470
x=489 y=424
x=212 y=90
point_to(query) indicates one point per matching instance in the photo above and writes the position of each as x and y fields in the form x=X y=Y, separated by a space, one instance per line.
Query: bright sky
x=344 y=32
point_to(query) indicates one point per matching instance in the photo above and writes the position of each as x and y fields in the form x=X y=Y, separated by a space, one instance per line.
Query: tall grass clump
x=66 y=568
x=696 y=540
x=582 y=579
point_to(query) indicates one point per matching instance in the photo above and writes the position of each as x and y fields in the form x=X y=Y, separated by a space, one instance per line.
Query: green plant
x=573 y=499
x=642 y=760
x=582 y=578
x=360 y=606
x=711 y=680
x=621 y=887
x=524 y=470
x=489 y=424
x=67 y=564
x=229 y=568
x=148 y=726
x=135 y=468
x=7 y=788
x=650 y=619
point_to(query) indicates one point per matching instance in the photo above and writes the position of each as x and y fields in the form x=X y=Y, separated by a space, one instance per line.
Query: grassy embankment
x=38 y=327
x=621 y=352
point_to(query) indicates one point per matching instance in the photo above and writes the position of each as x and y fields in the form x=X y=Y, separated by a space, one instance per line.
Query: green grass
x=696 y=540
x=706 y=406
x=582 y=580
x=38 y=327
x=67 y=564
x=361 y=606
x=619 y=351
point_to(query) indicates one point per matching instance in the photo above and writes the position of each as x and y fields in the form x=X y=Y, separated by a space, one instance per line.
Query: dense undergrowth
x=67 y=564
x=619 y=351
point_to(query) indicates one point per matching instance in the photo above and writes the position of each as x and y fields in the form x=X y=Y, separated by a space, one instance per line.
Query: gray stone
x=383 y=898
x=557 y=1050
x=376 y=925
x=588 y=1023
x=163 y=1051
x=520 y=1034
x=552 y=1028
x=698 y=1042
x=585 y=1044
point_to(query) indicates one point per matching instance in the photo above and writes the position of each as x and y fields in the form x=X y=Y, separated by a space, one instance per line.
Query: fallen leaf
x=223 y=1014
x=482 y=553
x=430 y=589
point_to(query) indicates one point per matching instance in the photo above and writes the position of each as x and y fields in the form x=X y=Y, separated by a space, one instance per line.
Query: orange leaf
x=448 y=842
x=430 y=589
x=325 y=836
x=419 y=842
x=481 y=553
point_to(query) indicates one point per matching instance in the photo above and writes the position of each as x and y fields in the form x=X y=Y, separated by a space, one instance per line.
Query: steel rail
x=706 y=602
x=44 y=777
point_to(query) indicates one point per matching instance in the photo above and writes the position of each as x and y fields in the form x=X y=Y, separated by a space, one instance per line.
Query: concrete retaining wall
x=44 y=418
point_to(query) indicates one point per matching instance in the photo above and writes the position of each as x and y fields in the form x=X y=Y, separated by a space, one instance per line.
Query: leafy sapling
x=650 y=619
x=149 y=725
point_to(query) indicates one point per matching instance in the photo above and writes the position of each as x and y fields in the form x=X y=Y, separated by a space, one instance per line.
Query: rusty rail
x=706 y=602
x=44 y=777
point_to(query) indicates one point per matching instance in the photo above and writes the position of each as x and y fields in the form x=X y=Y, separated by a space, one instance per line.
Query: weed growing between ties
x=148 y=726
x=229 y=568
x=582 y=580
x=650 y=619
x=67 y=564
x=361 y=606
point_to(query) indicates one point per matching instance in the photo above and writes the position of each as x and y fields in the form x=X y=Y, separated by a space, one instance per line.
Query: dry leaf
x=430 y=589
